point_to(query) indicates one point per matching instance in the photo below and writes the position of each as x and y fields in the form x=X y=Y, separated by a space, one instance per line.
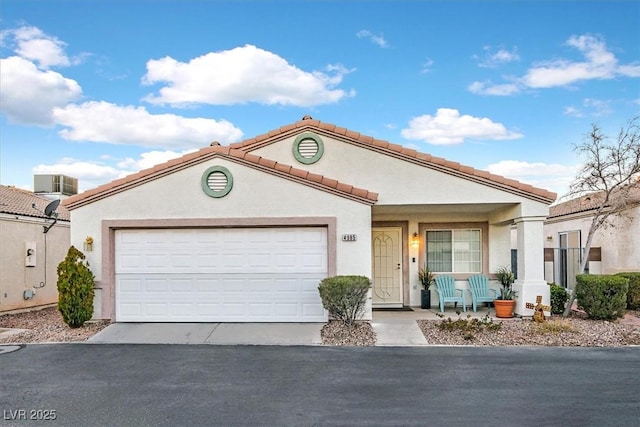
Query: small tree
x=609 y=172
x=75 y=289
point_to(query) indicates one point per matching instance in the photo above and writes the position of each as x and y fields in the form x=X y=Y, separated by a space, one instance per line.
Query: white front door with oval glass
x=387 y=267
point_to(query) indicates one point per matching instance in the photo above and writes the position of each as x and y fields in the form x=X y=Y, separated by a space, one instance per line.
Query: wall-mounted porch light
x=415 y=240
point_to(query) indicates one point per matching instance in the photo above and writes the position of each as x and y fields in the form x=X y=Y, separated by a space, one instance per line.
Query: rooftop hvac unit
x=55 y=184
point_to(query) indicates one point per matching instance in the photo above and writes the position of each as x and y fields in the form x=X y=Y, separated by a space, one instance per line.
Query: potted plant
x=505 y=303
x=426 y=277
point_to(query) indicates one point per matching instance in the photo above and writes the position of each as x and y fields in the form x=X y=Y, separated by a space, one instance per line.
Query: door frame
x=404 y=255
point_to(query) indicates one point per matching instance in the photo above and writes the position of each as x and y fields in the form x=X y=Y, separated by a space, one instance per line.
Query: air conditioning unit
x=55 y=185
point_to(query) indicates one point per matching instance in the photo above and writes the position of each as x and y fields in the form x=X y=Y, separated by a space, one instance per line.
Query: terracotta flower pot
x=504 y=307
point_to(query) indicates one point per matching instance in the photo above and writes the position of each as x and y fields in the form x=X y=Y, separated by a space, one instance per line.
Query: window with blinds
x=454 y=251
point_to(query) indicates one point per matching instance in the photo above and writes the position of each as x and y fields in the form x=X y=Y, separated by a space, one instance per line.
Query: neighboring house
x=29 y=257
x=246 y=232
x=615 y=247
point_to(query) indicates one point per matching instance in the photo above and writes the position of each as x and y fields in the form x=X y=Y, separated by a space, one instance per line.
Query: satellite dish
x=51 y=208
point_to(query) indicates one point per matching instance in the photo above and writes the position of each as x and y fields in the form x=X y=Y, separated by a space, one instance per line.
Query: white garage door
x=220 y=275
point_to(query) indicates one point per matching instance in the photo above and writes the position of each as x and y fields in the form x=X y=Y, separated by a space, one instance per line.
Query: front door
x=387 y=266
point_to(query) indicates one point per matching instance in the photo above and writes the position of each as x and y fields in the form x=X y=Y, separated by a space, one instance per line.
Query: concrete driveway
x=211 y=333
x=397 y=329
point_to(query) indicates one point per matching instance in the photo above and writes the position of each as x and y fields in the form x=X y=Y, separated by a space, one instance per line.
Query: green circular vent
x=217 y=181
x=308 y=148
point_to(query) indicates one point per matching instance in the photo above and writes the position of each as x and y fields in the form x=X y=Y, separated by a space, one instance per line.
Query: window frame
x=483 y=227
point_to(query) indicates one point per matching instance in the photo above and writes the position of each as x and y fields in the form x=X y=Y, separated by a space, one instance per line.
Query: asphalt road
x=205 y=385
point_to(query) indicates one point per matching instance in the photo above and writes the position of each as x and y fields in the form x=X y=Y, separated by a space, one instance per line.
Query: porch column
x=530 y=282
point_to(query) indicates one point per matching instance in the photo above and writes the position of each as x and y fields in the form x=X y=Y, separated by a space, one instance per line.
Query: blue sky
x=101 y=89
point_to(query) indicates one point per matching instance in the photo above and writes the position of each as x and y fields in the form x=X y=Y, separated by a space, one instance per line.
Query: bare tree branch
x=610 y=170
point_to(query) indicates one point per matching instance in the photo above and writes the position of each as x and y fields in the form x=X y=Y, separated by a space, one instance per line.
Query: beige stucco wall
x=15 y=276
x=397 y=181
x=619 y=242
x=255 y=194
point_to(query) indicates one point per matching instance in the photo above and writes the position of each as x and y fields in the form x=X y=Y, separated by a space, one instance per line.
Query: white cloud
x=448 y=127
x=29 y=95
x=598 y=63
x=240 y=75
x=591 y=107
x=379 y=40
x=33 y=44
x=426 y=65
x=105 y=122
x=494 y=58
x=89 y=174
x=92 y=174
x=150 y=159
x=550 y=176
x=488 y=88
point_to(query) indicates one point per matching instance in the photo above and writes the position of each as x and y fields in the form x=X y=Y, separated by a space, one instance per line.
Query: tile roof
x=590 y=202
x=243 y=157
x=15 y=201
x=240 y=152
x=398 y=151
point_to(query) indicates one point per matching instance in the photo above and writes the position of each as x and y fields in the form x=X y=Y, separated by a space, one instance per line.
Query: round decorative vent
x=308 y=148
x=217 y=181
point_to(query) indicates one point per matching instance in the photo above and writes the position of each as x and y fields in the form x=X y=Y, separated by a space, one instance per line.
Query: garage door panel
x=214 y=275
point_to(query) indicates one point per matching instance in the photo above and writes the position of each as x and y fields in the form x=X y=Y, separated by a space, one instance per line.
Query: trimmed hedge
x=75 y=289
x=633 y=294
x=345 y=297
x=559 y=298
x=602 y=296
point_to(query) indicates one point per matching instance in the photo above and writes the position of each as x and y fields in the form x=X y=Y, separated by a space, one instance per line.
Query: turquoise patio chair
x=447 y=292
x=480 y=290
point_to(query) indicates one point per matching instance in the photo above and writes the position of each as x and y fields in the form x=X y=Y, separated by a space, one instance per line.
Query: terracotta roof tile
x=428 y=161
x=252 y=158
x=267 y=162
x=299 y=173
x=352 y=134
x=316 y=180
x=15 y=201
x=340 y=131
x=329 y=182
x=327 y=126
x=590 y=202
x=424 y=159
x=283 y=168
x=314 y=177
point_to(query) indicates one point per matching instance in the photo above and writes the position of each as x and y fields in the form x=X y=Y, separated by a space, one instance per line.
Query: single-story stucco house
x=615 y=247
x=29 y=256
x=246 y=232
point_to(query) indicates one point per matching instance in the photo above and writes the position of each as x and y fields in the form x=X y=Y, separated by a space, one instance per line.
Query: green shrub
x=602 y=296
x=559 y=298
x=633 y=294
x=75 y=289
x=345 y=297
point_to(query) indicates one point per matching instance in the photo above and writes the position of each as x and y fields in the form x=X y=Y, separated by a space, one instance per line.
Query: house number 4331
x=349 y=237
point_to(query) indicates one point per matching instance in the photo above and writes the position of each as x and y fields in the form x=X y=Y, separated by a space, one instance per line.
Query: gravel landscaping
x=47 y=326
x=556 y=331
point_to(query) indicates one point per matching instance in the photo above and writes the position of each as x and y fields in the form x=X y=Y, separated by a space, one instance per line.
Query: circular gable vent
x=217 y=181
x=308 y=148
